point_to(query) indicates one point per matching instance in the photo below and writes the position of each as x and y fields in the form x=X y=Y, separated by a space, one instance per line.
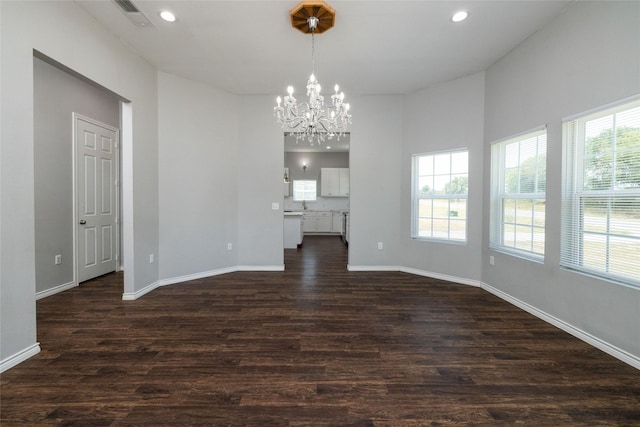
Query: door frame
x=75 y=118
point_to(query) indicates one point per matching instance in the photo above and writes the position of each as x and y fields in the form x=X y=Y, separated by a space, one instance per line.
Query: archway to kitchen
x=316 y=184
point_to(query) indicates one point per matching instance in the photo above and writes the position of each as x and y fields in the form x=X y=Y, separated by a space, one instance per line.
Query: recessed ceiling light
x=167 y=16
x=460 y=16
x=328 y=148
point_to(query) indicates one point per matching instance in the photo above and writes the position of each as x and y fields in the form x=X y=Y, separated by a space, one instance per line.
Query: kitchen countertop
x=293 y=213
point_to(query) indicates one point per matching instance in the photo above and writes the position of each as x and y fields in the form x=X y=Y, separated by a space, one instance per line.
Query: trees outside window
x=601 y=200
x=518 y=200
x=439 y=202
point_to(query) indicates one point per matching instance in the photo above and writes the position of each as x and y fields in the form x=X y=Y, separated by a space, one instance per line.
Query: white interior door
x=96 y=198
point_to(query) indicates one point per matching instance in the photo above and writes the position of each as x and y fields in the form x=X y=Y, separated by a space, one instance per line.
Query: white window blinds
x=518 y=194
x=601 y=198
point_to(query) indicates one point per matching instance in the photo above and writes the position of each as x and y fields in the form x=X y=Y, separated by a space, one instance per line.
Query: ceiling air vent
x=127 y=6
x=133 y=13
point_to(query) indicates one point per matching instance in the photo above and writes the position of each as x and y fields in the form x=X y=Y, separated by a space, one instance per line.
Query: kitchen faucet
x=304 y=205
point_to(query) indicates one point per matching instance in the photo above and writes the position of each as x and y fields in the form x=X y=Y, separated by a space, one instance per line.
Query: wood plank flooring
x=312 y=346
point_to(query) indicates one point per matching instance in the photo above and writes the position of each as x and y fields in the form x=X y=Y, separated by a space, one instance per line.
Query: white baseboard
x=202 y=275
x=598 y=343
x=128 y=296
x=415 y=271
x=448 y=278
x=19 y=357
x=373 y=267
x=259 y=268
x=55 y=290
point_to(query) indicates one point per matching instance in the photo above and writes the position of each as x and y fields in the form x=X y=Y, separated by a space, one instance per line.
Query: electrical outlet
x=492 y=260
x=151 y=259
x=229 y=247
x=275 y=206
x=379 y=245
x=57 y=259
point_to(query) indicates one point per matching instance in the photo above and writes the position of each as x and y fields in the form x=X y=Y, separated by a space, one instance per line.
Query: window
x=439 y=203
x=601 y=198
x=518 y=184
x=304 y=190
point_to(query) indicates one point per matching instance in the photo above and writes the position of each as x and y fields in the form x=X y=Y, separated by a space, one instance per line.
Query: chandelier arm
x=324 y=127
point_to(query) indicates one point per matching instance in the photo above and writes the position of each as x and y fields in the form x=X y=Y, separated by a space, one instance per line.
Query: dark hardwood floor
x=312 y=346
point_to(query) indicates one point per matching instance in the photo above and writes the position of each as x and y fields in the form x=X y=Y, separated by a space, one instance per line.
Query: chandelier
x=313 y=120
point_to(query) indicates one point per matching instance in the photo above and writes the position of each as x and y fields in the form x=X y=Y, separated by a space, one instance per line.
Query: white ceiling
x=376 y=47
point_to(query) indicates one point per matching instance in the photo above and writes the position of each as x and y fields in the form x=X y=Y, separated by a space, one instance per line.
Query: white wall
x=65 y=33
x=588 y=57
x=57 y=95
x=445 y=117
x=198 y=161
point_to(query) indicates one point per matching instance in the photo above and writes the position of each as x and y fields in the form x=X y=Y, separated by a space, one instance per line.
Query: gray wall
x=375 y=165
x=586 y=58
x=259 y=177
x=57 y=95
x=65 y=33
x=315 y=161
x=198 y=137
x=445 y=117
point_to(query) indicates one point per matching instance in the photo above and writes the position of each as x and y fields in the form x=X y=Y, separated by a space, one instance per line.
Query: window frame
x=575 y=193
x=499 y=197
x=295 y=192
x=417 y=196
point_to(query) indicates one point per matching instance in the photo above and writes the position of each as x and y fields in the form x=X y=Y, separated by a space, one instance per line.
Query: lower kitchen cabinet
x=336 y=222
x=317 y=222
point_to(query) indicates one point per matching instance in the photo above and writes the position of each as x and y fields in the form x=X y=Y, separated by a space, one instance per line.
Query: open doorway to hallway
x=59 y=93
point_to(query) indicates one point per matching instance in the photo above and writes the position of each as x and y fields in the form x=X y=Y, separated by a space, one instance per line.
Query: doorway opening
x=316 y=190
x=59 y=92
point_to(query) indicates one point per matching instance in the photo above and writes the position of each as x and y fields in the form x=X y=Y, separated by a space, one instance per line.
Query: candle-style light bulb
x=337 y=88
x=312 y=78
x=290 y=90
x=278 y=100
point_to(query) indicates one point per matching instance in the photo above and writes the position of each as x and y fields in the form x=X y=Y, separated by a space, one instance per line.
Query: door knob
x=83 y=222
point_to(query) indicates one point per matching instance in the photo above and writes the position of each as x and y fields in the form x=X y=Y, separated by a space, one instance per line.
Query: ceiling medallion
x=313 y=120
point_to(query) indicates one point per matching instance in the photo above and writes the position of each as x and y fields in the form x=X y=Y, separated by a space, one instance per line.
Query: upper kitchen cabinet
x=334 y=182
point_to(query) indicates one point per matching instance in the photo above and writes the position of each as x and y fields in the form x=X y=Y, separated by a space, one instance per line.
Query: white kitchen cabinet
x=309 y=222
x=329 y=182
x=292 y=230
x=316 y=222
x=323 y=222
x=344 y=182
x=334 y=182
x=336 y=222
